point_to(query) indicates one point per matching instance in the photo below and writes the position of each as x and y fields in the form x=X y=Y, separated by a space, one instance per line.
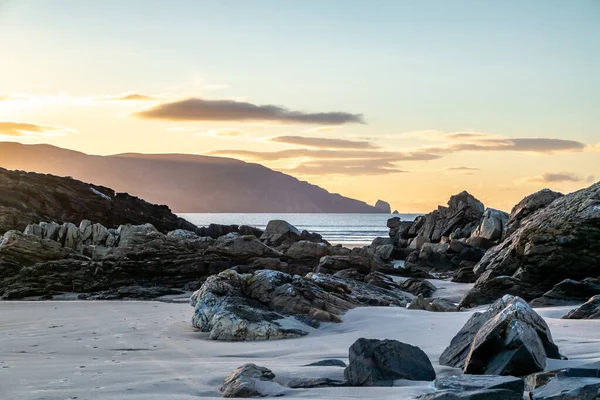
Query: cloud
x=461 y=169
x=324 y=142
x=327 y=154
x=561 y=177
x=222 y=133
x=525 y=145
x=322 y=129
x=345 y=167
x=196 y=109
x=128 y=97
x=21 y=129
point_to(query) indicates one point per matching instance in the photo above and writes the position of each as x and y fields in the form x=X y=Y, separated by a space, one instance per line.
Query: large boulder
x=528 y=206
x=510 y=338
x=26 y=250
x=250 y=380
x=279 y=231
x=308 y=251
x=137 y=235
x=480 y=382
x=588 y=310
x=458 y=220
x=418 y=286
x=557 y=242
x=569 y=292
x=564 y=387
x=241 y=248
x=492 y=225
x=376 y=362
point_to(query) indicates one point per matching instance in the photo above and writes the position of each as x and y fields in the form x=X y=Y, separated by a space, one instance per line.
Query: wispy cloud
x=24 y=130
x=196 y=109
x=322 y=129
x=324 y=143
x=345 y=167
x=222 y=133
x=560 y=177
x=328 y=154
x=128 y=97
x=461 y=169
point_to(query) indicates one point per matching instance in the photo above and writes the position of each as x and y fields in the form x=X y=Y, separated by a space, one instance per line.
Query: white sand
x=147 y=350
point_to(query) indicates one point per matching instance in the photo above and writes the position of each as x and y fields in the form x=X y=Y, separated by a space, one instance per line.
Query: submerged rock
x=376 y=362
x=510 y=338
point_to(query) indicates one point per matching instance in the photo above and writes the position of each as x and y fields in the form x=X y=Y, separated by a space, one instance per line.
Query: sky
x=405 y=101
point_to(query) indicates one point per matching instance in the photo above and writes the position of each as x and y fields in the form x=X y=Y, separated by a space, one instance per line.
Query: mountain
x=185 y=182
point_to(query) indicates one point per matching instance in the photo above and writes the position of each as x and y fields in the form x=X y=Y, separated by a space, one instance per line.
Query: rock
x=309 y=383
x=552 y=244
x=418 y=242
x=588 y=310
x=34 y=230
x=40 y=197
x=327 y=363
x=279 y=231
x=100 y=235
x=480 y=382
x=493 y=394
x=70 y=237
x=533 y=381
x=241 y=248
x=137 y=235
x=591 y=370
x=26 y=250
x=332 y=264
x=566 y=388
x=510 y=338
x=50 y=230
x=528 y=206
x=250 y=380
x=464 y=274
x=568 y=292
x=383 y=206
x=379 y=362
x=459 y=219
x=437 y=305
x=183 y=234
x=308 y=251
x=418 y=286
x=86 y=229
x=492 y=225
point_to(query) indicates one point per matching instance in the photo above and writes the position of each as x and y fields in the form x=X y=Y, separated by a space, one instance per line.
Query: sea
x=349 y=230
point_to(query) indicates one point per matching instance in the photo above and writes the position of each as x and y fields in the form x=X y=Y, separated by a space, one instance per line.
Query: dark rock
x=569 y=292
x=492 y=226
x=327 y=363
x=418 y=286
x=27 y=197
x=554 y=243
x=533 y=381
x=249 y=380
x=309 y=383
x=566 y=388
x=480 y=382
x=510 y=338
x=493 y=394
x=279 y=231
x=528 y=206
x=437 y=305
x=585 y=371
x=588 y=310
x=379 y=362
x=464 y=274
x=383 y=206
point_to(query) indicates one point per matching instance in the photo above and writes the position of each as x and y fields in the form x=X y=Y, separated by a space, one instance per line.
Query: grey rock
x=480 y=382
x=528 y=206
x=138 y=235
x=309 y=383
x=100 y=235
x=327 y=363
x=250 y=380
x=279 y=231
x=588 y=310
x=567 y=388
x=379 y=362
x=493 y=394
x=86 y=229
x=50 y=229
x=492 y=226
x=418 y=286
x=34 y=230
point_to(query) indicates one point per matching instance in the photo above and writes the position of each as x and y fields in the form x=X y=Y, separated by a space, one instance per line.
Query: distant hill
x=184 y=182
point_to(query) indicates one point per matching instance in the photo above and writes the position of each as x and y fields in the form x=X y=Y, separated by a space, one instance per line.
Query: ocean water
x=350 y=230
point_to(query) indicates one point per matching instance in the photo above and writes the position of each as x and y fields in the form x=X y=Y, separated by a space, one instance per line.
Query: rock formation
x=554 y=243
x=528 y=206
x=250 y=380
x=383 y=206
x=588 y=310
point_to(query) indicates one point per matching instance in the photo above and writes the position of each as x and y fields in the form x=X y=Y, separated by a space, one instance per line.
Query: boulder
x=528 y=206
x=307 y=251
x=279 y=231
x=137 y=235
x=437 y=305
x=100 y=235
x=50 y=230
x=492 y=225
x=241 y=248
x=588 y=310
x=552 y=244
x=34 y=230
x=250 y=380
x=383 y=206
x=418 y=242
x=491 y=394
x=464 y=274
x=376 y=362
x=86 y=229
x=480 y=382
x=566 y=388
x=510 y=338
x=418 y=286
x=568 y=292
x=310 y=383
x=327 y=363
x=26 y=250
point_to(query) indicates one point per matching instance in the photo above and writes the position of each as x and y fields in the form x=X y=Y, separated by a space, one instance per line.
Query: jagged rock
x=492 y=225
x=376 y=362
x=588 y=310
x=383 y=206
x=510 y=338
x=528 y=206
x=28 y=198
x=458 y=220
x=327 y=363
x=492 y=394
x=26 y=250
x=309 y=383
x=437 y=305
x=534 y=381
x=279 y=231
x=183 y=234
x=50 y=230
x=100 y=235
x=69 y=236
x=306 y=250
x=567 y=388
x=480 y=382
x=418 y=242
x=418 y=286
x=557 y=242
x=86 y=229
x=568 y=292
x=137 y=235
x=332 y=264
x=250 y=380
x=464 y=274
x=131 y=292
x=242 y=247
x=34 y=230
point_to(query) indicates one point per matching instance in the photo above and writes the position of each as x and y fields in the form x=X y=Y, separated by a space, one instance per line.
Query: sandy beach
x=148 y=350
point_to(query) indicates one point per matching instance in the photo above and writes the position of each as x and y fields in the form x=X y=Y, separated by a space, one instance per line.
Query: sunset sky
x=406 y=101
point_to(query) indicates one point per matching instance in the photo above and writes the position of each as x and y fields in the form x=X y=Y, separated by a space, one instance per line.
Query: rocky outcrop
x=528 y=206
x=435 y=305
x=376 y=362
x=492 y=226
x=569 y=292
x=484 y=394
x=383 y=206
x=250 y=380
x=477 y=387
x=234 y=307
x=279 y=231
x=458 y=220
x=554 y=243
x=418 y=286
x=565 y=387
x=215 y=231
x=510 y=338
x=28 y=198
x=588 y=310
